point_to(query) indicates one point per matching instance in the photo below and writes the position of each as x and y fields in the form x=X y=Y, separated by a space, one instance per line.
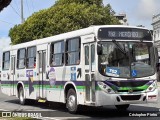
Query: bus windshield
x=126 y=59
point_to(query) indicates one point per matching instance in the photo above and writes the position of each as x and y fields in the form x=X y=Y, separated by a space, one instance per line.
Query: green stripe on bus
x=144 y=87
x=44 y=86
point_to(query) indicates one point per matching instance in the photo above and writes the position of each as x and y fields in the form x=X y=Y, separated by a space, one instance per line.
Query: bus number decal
x=112 y=71
x=29 y=73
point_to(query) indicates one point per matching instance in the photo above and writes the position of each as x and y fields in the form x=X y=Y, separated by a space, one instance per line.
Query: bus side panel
x=28 y=81
x=56 y=89
x=54 y=86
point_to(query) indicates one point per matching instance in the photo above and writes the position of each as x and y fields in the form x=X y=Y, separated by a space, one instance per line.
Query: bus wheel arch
x=19 y=85
x=71 y=98
x=21 y=94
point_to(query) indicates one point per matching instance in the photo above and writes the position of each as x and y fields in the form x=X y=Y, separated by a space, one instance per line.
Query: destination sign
x=124 y=33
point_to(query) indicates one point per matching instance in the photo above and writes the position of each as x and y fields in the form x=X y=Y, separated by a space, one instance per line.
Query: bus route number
x=113 y=71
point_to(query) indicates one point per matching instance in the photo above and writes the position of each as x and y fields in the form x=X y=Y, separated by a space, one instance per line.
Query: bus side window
x=73 y=46
x=6 y=60
x=93 y=57
x=31 y=57
x=86 y=55
x=57 y=54
x=21 y=57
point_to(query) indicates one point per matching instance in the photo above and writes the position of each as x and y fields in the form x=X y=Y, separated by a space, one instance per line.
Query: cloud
x=4 y=42
x=146 y=9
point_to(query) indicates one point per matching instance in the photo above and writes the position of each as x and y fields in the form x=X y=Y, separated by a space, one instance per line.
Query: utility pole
x=22 y=18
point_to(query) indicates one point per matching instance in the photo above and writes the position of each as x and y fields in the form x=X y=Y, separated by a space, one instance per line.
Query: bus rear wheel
x=71 y=102
x=122 y=107
x=21 y=96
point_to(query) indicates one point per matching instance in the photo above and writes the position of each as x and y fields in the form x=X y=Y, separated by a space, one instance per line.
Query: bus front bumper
x=104 y=98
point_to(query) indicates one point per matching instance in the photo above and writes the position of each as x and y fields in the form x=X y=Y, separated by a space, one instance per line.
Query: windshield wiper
x=119 y=46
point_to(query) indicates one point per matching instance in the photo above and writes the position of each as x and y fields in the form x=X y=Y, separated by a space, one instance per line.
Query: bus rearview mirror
x=99 y=49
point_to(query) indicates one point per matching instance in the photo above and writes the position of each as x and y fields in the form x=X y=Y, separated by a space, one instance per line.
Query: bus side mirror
x=158 y=66
x=99 y=49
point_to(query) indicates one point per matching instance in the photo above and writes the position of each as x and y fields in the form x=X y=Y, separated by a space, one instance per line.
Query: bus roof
x=76 y=33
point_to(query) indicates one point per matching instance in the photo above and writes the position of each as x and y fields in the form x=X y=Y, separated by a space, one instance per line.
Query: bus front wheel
x=122 y=107
x=71 y=102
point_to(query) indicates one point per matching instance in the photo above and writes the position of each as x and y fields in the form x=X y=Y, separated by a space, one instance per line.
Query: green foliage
x=64 y=16
x=89 y=2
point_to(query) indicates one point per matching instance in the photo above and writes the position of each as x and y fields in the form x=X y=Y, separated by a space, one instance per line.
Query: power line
x=15 y=2
x=6 y=22
x=15 y=10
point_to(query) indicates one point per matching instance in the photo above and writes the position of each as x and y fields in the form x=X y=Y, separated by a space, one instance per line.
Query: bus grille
x=127 y=90
x=130 y=97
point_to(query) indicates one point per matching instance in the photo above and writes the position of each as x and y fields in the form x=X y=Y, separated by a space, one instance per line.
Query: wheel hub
x=71 y=101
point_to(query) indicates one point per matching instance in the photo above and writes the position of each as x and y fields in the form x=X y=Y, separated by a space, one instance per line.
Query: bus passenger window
x=86 y=55
x=93 y=57
x=57 y=54
x=21 y=58
x=31 y=57
x=6 y=60
x=73 y=51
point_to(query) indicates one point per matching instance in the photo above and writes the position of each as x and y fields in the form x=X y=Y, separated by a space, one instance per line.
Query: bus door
x=12 y=77
x=89 y=50
x=42 y=73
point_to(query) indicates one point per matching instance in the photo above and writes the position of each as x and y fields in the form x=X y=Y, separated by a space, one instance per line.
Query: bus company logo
x=130 y=91
x=52 y=77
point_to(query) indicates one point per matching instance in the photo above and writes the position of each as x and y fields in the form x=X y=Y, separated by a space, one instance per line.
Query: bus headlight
x=152 y=87
x=105 y=87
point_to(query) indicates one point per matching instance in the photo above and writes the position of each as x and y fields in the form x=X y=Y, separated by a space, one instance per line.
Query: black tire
x=22 y=100
x=71 y=102
x=122 y=107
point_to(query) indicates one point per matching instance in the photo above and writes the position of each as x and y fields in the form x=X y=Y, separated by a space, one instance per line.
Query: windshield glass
x=126 y=59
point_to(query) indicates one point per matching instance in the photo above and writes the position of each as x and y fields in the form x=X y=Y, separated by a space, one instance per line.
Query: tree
x=64 y=16
x=4 y=3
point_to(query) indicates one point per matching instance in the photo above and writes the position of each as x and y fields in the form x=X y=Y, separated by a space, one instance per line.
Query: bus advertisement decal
x=79 y=71
x=29 y=74
x=73 y=73
x=52 y=77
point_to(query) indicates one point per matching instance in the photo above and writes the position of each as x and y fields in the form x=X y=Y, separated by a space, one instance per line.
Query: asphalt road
x=57 y=111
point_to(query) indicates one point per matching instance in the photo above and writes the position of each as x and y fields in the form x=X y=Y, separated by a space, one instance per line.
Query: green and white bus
x=95 y=66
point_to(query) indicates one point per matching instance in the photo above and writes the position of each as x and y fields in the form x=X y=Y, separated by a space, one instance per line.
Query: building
x=122 y=18
x=156 y=30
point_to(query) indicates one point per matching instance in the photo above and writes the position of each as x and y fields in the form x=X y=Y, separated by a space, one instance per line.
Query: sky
x=139 y=12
